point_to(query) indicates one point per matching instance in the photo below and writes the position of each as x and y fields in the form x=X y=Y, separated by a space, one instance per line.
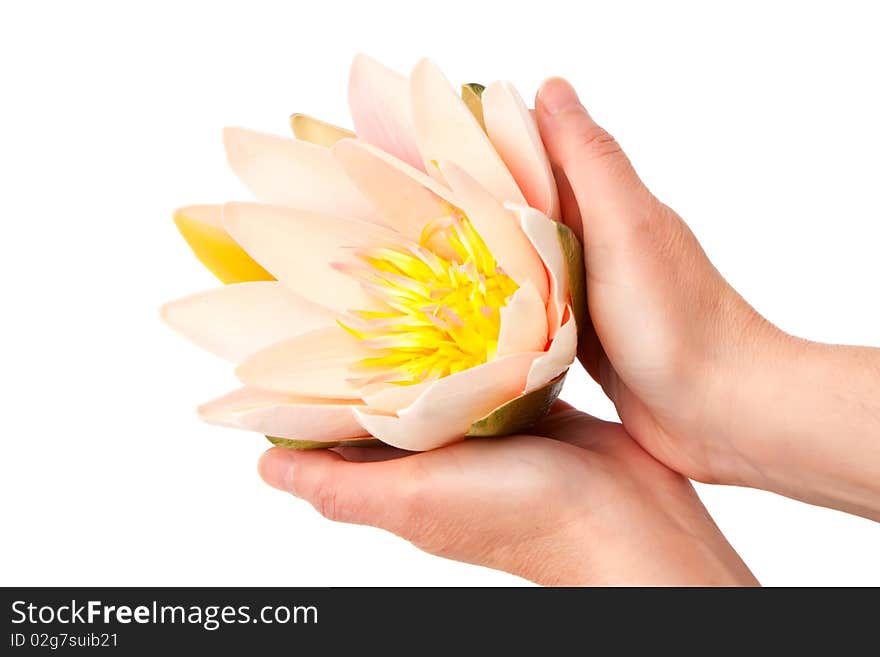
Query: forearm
x=808 y=425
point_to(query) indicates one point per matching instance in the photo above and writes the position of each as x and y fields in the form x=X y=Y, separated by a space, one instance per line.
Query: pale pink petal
x=499 y=229
x=448 y=407
x=558 y=358
x=295 y=173
x=544 y=236
x=514 y=134
x=446 y=130
x=316 y=364
x=380 y=108
x=523 y=322
x=303 y=250
x=405 y=198
x=208 y=214
x=284 y=416
x=237 y=320
x=390 y=398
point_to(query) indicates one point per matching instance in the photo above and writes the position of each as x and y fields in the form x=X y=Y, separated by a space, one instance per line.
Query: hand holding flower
x=413 y=284
x=578 y=504
x=699 y=378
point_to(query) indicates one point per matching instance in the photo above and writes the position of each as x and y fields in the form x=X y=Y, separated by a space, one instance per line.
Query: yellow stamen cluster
x=442 y=311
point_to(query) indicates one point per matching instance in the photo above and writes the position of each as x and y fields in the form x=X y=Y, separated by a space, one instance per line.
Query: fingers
x=613 y=205
x=644 y=266
x=571 y=213
x=361 y=493
x=596 y=169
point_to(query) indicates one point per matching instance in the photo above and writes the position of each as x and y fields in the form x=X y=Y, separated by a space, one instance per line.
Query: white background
x=759 y=124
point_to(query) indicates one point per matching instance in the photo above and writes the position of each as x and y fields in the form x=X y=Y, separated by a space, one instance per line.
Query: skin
x=705 y=388
x=699 y=378
x=579 y=503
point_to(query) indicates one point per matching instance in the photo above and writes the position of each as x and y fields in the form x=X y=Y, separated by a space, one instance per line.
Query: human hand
x=698 y=377
x=581 y=503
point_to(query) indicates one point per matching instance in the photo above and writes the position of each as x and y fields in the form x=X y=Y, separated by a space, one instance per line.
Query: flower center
x=443 y=296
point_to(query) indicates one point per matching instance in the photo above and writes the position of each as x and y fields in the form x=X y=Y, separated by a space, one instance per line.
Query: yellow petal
x=203 y=230
x=316 y=131
x=471 y=94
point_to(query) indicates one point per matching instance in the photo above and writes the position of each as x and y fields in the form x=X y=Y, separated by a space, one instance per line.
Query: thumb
x=614 y=205
x=645 y=268
x=361 y=493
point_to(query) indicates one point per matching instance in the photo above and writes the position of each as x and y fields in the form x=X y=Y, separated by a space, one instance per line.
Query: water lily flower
x=408 y=281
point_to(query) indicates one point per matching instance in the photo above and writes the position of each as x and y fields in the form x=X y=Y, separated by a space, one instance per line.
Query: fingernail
x=556 y=95
x=275 y=470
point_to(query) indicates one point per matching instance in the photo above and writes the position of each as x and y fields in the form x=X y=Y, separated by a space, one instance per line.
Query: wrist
x=763 y=408
x=805 y=423
x=736 y=381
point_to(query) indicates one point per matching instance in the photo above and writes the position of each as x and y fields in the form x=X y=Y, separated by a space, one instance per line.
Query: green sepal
x=573 y=253
x=289 y=443
x=471 y=94
x=519 y=414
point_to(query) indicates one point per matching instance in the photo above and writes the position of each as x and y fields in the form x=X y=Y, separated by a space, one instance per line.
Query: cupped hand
x=698 y=377
x=578 y=503
x=669 y=338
